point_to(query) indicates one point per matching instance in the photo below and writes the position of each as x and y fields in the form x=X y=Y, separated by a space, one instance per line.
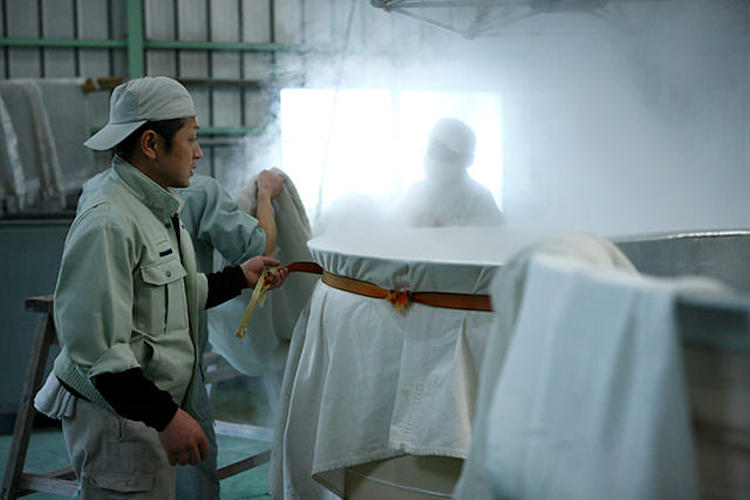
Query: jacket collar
x=163 y=202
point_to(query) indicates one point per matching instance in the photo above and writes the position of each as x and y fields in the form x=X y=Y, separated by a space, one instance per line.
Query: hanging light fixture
x=480 y=18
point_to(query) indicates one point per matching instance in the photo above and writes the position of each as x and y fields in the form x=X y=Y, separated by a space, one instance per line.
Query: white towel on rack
x=11 y=170
x=50 y=172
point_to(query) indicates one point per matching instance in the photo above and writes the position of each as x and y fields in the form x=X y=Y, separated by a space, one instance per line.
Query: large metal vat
x=716 y=348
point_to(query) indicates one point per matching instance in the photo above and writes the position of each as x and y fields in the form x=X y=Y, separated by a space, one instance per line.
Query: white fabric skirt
x=365 y=381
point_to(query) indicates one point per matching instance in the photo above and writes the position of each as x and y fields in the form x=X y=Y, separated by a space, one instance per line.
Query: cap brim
x=112 y=135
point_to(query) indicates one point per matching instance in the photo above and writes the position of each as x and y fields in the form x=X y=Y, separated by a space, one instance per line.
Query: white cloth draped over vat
x=264 y=348
x=364 y=381
x=582 y=392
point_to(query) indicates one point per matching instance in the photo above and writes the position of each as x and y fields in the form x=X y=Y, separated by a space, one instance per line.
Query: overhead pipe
x=79 y=43
x=236 y=46
x=62 y=43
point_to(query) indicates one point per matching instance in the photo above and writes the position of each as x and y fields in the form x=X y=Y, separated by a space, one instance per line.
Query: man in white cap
x=214 y=222
x=448 y=196
x=127 y=302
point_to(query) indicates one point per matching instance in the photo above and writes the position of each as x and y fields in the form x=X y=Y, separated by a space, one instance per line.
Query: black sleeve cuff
x=224 y=285
x=135 y=397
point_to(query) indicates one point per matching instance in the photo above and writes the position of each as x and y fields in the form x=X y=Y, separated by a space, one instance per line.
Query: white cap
x=455 y=135
x=132 y=104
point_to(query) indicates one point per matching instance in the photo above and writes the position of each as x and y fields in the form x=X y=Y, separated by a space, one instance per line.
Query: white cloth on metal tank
x=507 y=291
x=589 y=400
x=265 y=347
x=365 y=382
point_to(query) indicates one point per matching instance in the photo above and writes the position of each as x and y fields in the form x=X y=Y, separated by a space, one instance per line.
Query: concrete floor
x=241 y=400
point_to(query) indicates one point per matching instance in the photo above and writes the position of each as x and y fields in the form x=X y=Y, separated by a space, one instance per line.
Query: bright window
x=371 y=142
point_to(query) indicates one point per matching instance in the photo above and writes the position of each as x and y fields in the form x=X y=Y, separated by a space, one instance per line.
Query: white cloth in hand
x=266 y=345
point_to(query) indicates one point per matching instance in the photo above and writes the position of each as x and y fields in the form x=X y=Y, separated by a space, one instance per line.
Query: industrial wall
x=631 y=122
x=233 y=55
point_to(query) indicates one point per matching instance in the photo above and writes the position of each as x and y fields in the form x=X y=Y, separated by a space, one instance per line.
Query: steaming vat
x=368 y=387
x=724 y=255
x=366 y=382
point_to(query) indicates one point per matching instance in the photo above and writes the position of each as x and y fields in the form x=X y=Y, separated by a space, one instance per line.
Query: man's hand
x=269 y=185
x=253 y=268
x=183 y=440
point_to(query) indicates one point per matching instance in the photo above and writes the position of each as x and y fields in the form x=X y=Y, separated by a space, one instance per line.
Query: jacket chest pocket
x=160 y=303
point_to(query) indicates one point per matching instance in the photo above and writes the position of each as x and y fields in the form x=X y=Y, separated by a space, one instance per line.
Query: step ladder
x=16 y=481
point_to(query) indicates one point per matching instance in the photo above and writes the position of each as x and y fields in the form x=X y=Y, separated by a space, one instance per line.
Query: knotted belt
x=399 y=298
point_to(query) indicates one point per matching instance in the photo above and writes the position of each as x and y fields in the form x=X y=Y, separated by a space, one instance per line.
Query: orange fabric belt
x=399 y=298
